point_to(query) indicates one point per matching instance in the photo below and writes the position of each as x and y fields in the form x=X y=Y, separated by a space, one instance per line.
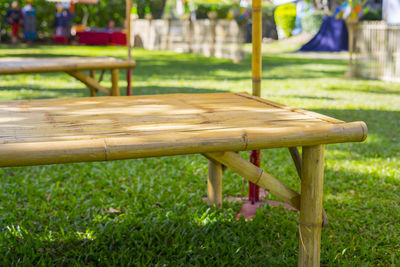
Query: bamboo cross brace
x=294 y=152
x=257 y=176
x=89 y=81
x=261 y=178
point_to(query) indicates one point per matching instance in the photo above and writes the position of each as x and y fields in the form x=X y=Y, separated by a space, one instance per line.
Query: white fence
x=219 y=38
x=378 y=51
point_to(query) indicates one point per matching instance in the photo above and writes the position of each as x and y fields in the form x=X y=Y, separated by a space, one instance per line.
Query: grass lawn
x=149 y=211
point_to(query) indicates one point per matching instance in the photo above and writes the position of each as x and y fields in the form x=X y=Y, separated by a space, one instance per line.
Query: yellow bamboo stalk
x=89 y=81
x=128 y=8
x=50 y=65
x=214 y=184
x=114 y=82
x=256 y=44
x=311 y=206
x=257 y=176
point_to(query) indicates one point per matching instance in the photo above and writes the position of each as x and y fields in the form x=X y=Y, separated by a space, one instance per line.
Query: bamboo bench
x=74 y=66
x=34 y=132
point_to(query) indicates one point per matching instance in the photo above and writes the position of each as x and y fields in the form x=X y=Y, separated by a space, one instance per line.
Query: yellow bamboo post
x=128 y=8
x=256 y=50
x=114 y=82
x=214 y=184
x=294 y=152
x=255 y=155
x=311 y=205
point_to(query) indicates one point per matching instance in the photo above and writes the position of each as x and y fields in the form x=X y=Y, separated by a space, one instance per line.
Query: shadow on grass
x=190 y=234
x=199 y=67
x=373 y=89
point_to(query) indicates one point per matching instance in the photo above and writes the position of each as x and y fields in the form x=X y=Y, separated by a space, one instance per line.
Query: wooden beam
x=114 y=82
x=311 y=205
x=256 y=46
x=214 y=184
x=92 y=90
x=257 y=176
x=294 y=152
x=90 y=82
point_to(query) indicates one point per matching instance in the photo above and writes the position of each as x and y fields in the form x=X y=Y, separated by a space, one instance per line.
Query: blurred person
x=29 y=17
x=14 y=18
x=63 y=23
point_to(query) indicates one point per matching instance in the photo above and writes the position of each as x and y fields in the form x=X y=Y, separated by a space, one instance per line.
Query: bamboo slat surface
x=106 y=128
x=57 y=64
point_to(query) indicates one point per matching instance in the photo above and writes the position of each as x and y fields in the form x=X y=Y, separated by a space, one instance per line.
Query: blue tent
x=331 y=37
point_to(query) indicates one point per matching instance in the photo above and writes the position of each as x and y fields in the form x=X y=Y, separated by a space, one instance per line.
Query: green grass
x=60 y=214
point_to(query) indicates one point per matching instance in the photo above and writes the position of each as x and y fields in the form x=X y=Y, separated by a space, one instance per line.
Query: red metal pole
x=254 y=190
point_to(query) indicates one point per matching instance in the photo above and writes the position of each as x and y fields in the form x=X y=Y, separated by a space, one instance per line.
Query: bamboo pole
x=256 y=65
x=311 y=205
x=294 y=152
x=92 y=90
x=128 y=8
x=89 y=81
x=257 y=176
x=50 y=150
x=256 y=47
x=214 y=184
x=50 y=65
x=114 y=82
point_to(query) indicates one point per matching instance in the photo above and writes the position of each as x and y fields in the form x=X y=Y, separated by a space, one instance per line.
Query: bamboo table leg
x=214 y=184
x=114 y=81
x=311 y=205
x=92 y=89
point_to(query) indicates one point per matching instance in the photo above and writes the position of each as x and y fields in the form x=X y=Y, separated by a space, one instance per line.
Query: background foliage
x=312 y=22
x=285 y=17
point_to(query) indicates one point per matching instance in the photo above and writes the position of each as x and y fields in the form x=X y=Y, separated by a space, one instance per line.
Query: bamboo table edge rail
x=218 y=145
x=74 y=69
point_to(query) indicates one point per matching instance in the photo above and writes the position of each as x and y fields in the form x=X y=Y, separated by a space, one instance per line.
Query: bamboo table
x=74 y=66
x=34 y=132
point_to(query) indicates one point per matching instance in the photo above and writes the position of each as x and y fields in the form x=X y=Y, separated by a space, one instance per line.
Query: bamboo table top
x=50 y=131
x=16 y=65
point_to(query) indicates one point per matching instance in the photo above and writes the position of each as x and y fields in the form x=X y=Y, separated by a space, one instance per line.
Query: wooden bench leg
x=312 y=175
x=114 y=82
x=92 y=90
x=214 y=184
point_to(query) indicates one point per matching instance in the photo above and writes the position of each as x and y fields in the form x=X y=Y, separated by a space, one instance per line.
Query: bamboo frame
x=114 y=82
x=311 y=205
x=214 y=184
x=257 y=176
x=89 y=81
x=128 y=7
x=294 y=152
x=256 y=67
x=256 y=46
x=93 y=91
x=35 y=132
x=61 y=64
